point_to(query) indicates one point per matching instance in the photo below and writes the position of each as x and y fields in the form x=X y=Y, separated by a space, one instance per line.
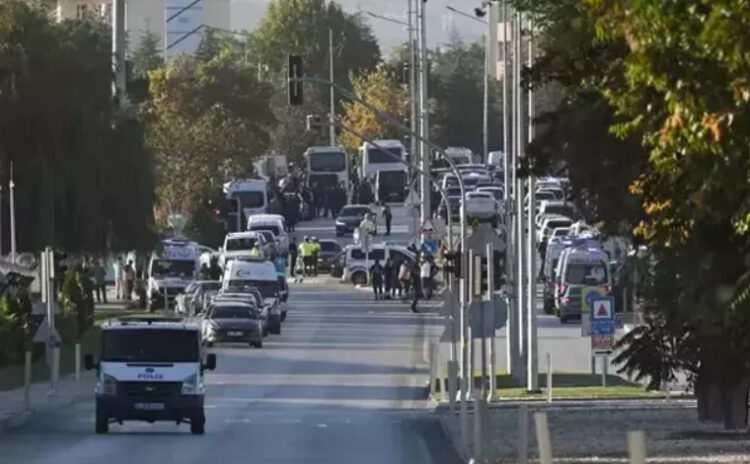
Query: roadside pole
x=12 y=186
x=424 y=184
x=532 y=368
x=118 y=51
x=332 y=114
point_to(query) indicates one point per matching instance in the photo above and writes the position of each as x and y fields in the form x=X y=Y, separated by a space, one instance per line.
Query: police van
x=150 y=369
x=579 y=266
x=260 y=274
x=173 y=266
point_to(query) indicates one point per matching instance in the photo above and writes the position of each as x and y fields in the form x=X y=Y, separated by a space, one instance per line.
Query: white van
x=150 y=369
x=355 y=265
x=252 y=195
x=239 y=245
x=274 y=223
x=173 y=266
x=496 y=158
x=263 y=276
x=579 y=267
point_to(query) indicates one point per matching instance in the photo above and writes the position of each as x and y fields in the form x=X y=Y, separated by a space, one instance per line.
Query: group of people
x=408 y=281
x=309 y=250
x=125 y=279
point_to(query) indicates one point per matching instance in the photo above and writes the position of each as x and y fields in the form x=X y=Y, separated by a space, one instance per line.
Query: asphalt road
x=343 y=383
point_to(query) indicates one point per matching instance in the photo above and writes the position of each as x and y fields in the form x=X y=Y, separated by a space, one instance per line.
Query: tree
x=56 y=126
x=207 y=122
x=380 y=89
x=147 y=55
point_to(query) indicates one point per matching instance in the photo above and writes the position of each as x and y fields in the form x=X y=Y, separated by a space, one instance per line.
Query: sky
x=442 y=24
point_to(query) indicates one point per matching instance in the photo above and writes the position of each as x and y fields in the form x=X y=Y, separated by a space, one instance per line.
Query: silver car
x=232 y=322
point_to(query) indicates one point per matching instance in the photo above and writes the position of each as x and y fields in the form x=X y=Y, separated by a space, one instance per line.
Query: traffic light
x=294 y=84
x=498 y=276
x=453 y=263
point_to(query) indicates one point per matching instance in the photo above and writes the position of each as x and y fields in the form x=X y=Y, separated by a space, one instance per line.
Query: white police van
x=150 y=369
x=173 y=266
x=260 y=274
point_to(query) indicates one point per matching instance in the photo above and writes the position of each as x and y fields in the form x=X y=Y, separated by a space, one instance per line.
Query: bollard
x=55 y=369
x=478 y=438
x=542 y=438
x=78 y=362
x=27 y=380
x=549 y=378
x=452 y=385
x=605 y=361
x=637 y=447
x=523 y=434
x=463 y=413
x=493 y=370
x=433 y=368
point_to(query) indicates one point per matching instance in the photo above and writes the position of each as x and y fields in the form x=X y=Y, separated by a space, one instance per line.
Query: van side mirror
x=210 y=362
x=88 y=362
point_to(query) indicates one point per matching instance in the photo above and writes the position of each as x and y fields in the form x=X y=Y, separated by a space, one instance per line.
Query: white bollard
x=27 y=380
x=493 y=368
x=55 y=369
x=463 y=415
x=542 y=438
x=605 y=362
x=637 y=447
x=78 y=361
x=523 y=434
x=433 y=368
x=549 y=378
x=478 y=436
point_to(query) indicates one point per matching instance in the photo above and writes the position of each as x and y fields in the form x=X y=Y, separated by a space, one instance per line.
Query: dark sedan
x=350 y=217
x=329 y=250
x=233 y=322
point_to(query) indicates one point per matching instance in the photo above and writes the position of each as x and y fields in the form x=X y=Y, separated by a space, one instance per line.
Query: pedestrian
x=376 y=277
x=205 y=272
x=317 y=248
x=129 y=279
x=305 y=250
x=292 y=256
x=215 y=269
x=416 y=289
x=388 y=216
x=425 y=273
x=388 y=277
x=404 y=275
x=118 y=275
x=100 y=284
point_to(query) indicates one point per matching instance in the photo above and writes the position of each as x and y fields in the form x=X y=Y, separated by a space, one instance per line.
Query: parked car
x=232 y=322
x=329 y=249
x=350 y=217
x=195 y=298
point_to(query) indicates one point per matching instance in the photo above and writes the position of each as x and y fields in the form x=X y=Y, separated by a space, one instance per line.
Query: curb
x=604 y=404
x=454 y=440
x=19 y=419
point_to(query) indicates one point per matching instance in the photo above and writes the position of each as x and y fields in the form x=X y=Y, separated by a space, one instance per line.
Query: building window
x=81 y=10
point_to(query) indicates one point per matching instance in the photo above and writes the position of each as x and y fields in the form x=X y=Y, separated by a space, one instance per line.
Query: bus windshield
x=376 y=155
x=249 y=198
x=327 y=162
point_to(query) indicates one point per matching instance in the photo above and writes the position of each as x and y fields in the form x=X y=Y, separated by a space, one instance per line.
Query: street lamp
x=485 y=104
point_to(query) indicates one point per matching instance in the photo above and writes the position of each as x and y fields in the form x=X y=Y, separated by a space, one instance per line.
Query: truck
x=150 y=369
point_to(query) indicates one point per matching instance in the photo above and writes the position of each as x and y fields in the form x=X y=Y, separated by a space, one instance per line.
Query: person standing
x=316 y=249
x=425 y=273
x=292 y=256
x=306 y=252
x=129 y=279
x=119 y=280
x=404 y=276
x=416 y=289
x=388 y=216
x=388 y=277
x=100 y=284
x=376 y=277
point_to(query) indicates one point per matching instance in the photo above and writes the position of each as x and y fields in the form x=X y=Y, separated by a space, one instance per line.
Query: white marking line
x=322 y=426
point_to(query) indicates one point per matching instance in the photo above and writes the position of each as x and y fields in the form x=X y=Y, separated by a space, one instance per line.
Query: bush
x=15 y=327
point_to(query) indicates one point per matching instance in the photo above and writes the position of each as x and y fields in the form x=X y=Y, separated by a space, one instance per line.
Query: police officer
x=316 y=249
x=306 y=252
x=376 y=277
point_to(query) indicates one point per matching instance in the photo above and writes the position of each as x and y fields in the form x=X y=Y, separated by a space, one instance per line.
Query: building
x=177 y=23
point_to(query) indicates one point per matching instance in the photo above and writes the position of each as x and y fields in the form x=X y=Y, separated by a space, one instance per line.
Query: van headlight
x=191 y=385
x=340 y=223
x=107 y=385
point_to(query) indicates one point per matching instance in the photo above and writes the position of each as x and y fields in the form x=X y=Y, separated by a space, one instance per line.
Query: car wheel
x=102 y=423
x=339 y=234
x=198 y=426
x=210 y=344
x=257 y=344
x=359 y=278
x=276 y=330
x=563 y=319
x=283 y=316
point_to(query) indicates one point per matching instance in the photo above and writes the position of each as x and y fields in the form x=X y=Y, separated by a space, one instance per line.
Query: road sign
x=483 y=236
x=602 y=324
x=587 y=294
x=433 y=228
x=430 y=246
x=495 y=314
x=41 y=333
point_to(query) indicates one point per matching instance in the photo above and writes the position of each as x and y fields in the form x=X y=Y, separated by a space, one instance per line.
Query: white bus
x=327 y=166
x=375 y=159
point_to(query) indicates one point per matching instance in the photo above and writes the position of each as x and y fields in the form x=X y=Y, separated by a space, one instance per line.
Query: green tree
x=147 y=55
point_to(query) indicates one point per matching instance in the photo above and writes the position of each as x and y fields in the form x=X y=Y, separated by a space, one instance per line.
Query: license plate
x=149 y=406
x=234 y=334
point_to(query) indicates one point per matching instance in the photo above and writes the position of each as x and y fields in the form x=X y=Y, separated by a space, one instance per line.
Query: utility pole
x=118 y=51
x=412 y=83
x=532 y=367
x=332 y=114
x=12 y=186
x=519 y=190
x=424 y=184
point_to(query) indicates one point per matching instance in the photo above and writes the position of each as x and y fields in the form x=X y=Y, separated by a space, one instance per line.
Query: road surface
x=343 y=383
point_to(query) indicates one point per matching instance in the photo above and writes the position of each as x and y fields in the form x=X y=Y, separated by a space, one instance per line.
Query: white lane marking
x=322 y=426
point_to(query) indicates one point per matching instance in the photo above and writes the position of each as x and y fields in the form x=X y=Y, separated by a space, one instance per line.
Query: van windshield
x=267 y=288
x=150 y=345
x=237 y=244
x=249 y=199
x=267 y=227
x=594 y=273
x=172 y=268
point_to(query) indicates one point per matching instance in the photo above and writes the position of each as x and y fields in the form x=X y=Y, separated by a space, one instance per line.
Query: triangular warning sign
x=41 y=333
x=428 y=228
x=603 y=310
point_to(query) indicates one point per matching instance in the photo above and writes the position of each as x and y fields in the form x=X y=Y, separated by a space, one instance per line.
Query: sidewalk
x=69 y=391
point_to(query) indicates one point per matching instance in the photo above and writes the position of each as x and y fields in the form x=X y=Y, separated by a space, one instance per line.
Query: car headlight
x=107 y=385
x=191 y=385
x=340 y=223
